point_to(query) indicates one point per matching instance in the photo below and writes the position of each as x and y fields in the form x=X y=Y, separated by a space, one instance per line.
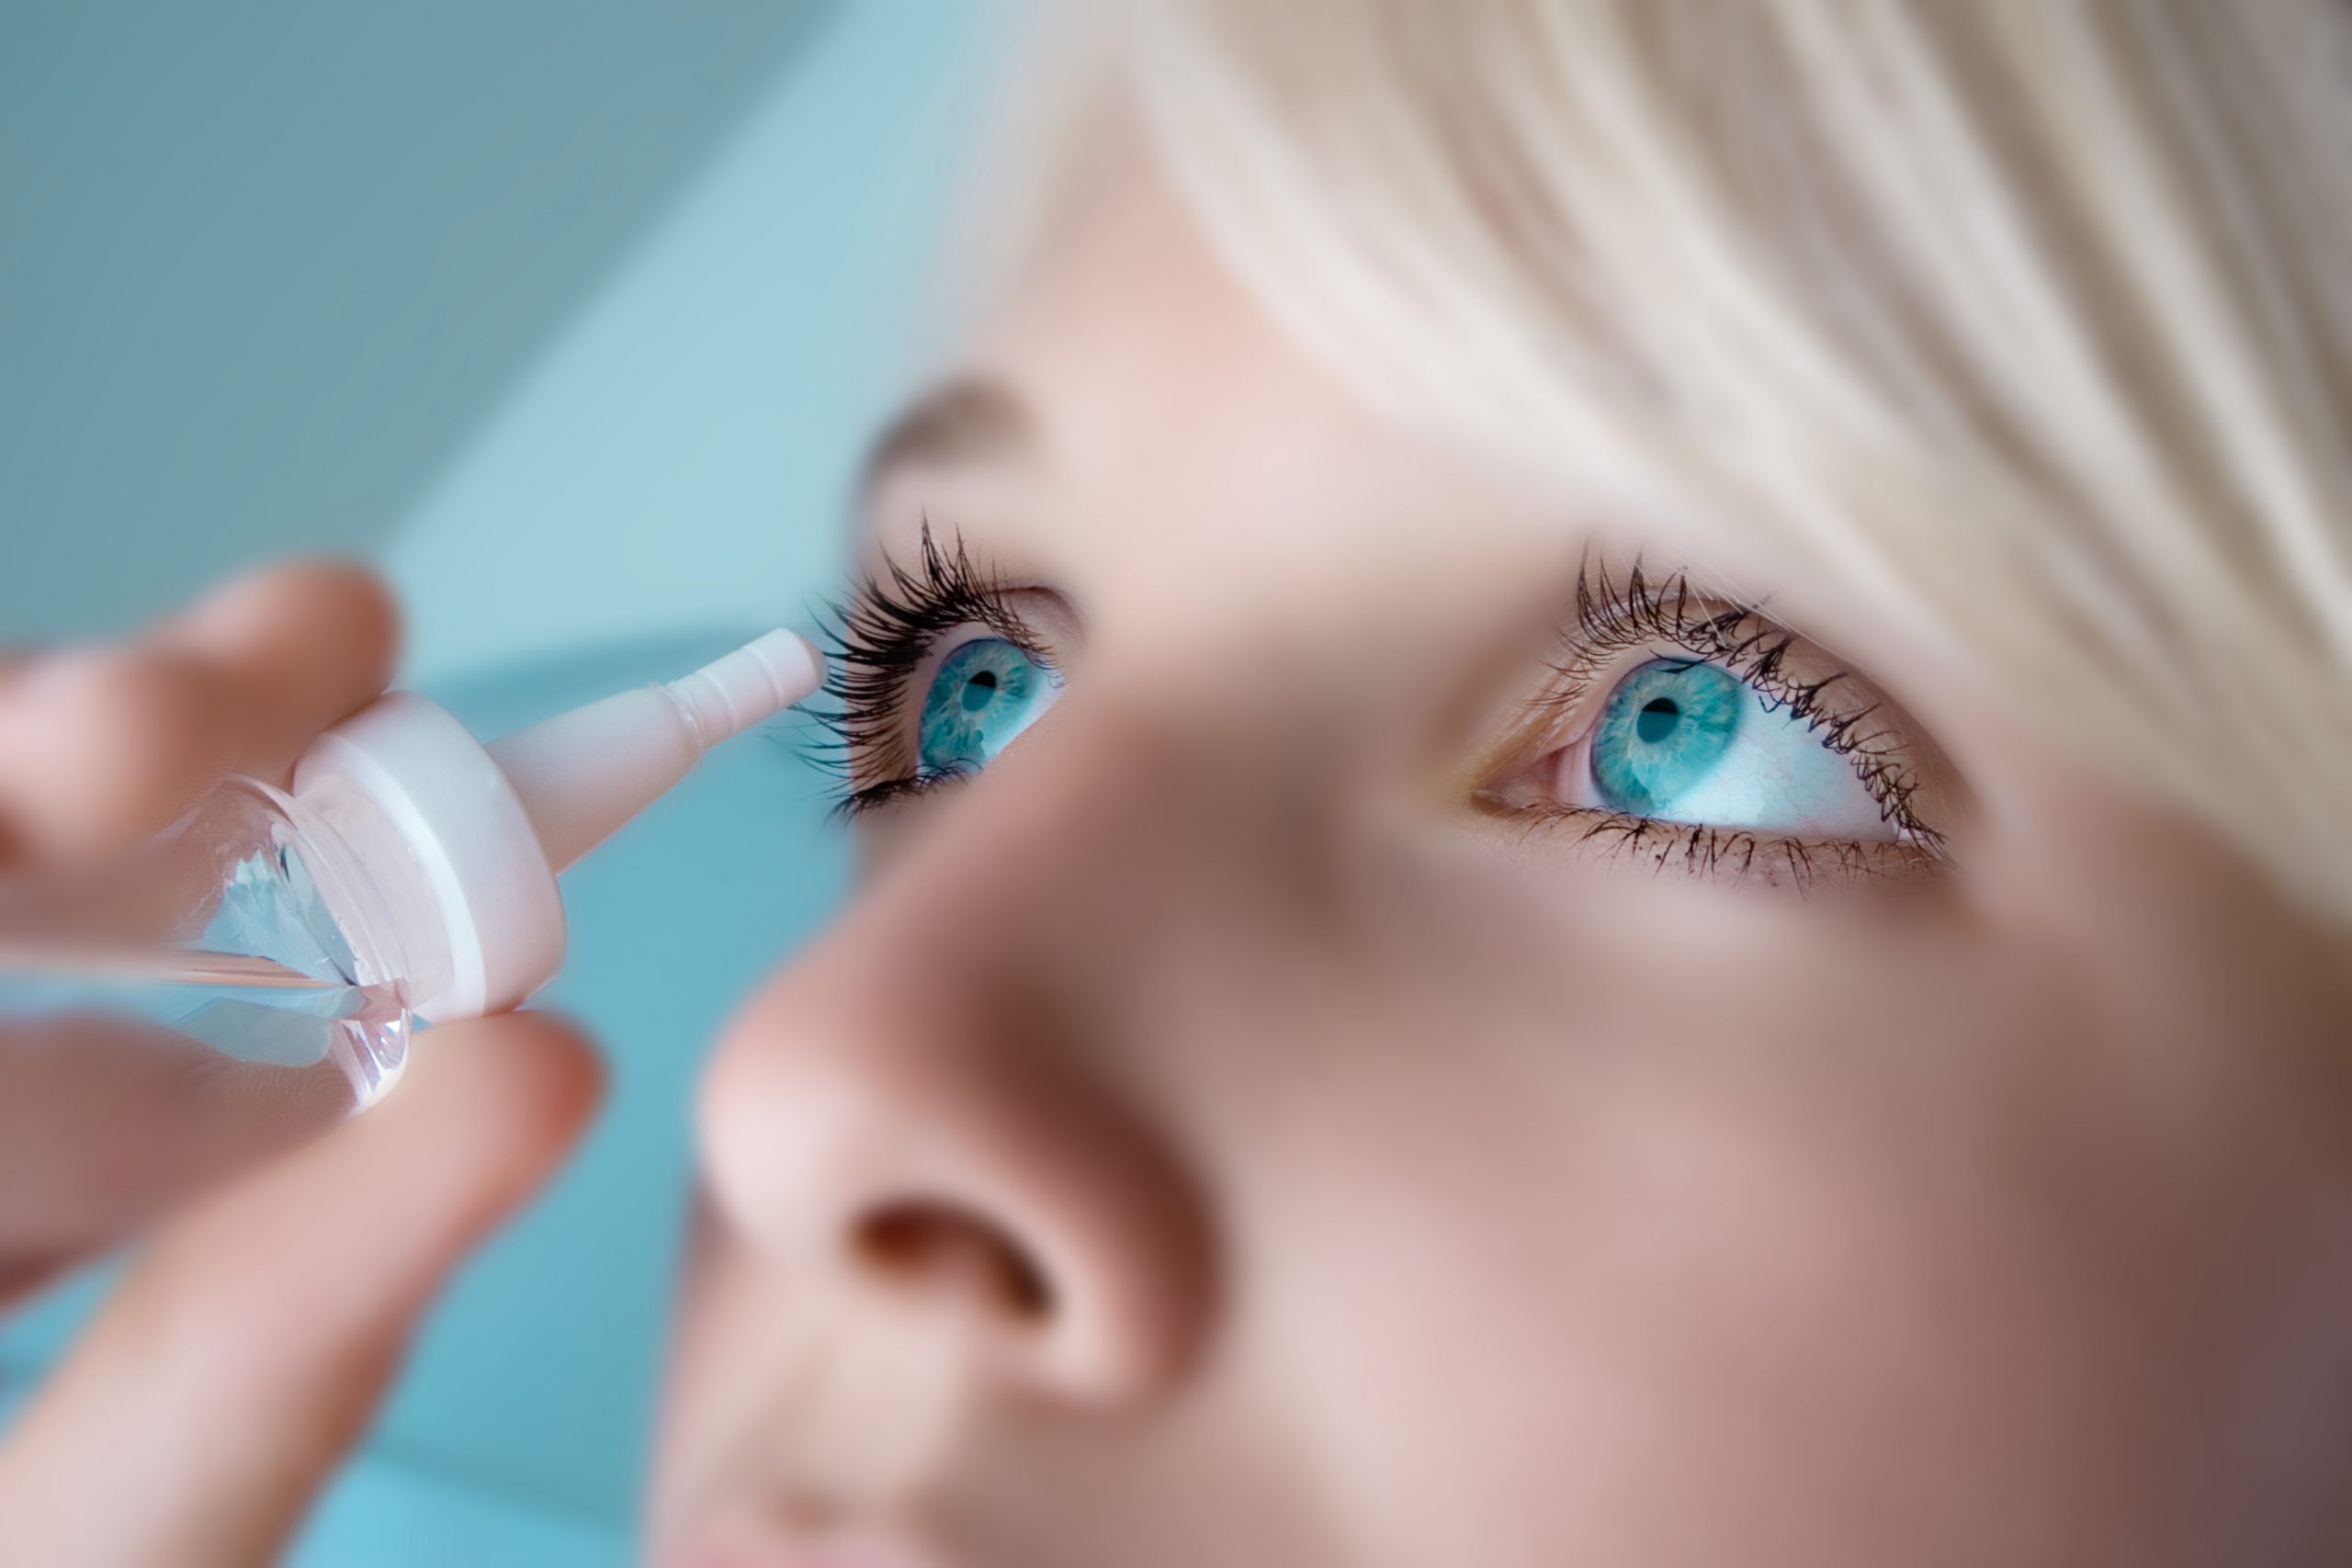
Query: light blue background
x=572 y=316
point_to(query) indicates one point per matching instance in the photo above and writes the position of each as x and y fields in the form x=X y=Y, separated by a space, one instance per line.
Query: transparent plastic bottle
x=255 y=973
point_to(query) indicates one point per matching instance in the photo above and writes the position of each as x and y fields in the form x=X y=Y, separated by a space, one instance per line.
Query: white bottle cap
x=467 y=839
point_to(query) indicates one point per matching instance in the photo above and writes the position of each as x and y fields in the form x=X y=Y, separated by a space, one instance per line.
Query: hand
x=103 y=1123
x=217 y=1389
x=242 y=1356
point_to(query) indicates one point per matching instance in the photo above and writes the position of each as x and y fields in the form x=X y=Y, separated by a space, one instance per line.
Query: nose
x=935 y=1099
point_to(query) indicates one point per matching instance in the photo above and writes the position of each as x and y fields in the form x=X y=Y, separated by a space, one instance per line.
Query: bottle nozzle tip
x=756 y=682
x=796 y=662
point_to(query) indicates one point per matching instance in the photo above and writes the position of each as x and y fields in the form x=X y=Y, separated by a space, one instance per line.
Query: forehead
x=1156 y=448
x=1148 y=433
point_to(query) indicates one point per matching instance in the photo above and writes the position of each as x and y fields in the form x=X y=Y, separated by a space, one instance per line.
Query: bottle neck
x=410 y=955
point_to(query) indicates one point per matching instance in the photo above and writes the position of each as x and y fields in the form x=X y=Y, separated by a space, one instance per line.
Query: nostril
x=929 y=1244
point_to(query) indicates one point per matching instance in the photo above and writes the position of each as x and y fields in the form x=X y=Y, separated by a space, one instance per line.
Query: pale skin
x=1213 y=1135
x=1409 y=1186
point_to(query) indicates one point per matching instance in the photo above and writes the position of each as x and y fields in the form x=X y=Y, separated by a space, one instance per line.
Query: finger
x=221 y=1385
x=108 y=1123
x=301 y=645
x=101 y=746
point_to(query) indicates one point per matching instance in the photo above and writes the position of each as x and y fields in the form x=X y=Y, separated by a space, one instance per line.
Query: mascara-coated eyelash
x=880 y=637
x=900 y=620
x=1613 y=616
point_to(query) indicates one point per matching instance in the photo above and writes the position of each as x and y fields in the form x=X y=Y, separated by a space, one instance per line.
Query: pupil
x=979 y=690
x=1657 y=721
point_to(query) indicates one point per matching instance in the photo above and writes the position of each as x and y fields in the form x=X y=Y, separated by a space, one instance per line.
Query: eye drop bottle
x=253 y=975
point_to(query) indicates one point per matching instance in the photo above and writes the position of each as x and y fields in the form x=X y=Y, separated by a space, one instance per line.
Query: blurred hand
x=245 y=1353
x=102 y=746
x=105 y=1122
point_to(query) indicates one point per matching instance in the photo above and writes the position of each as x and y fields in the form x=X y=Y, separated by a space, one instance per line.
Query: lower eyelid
x=884 y=794
x=1655 y=846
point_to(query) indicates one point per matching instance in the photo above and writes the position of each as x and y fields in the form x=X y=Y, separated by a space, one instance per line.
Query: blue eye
x=1684 y=740
x=985 y=693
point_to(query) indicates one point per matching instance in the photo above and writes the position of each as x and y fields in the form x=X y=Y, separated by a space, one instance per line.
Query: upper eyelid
x=896 y=622
x=882 y=632
x=1614 y=619
x=1618 y=617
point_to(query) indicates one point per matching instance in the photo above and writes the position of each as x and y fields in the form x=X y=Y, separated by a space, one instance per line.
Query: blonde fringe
x=2030 y=320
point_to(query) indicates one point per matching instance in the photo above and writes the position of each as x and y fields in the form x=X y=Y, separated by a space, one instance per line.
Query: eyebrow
x=962 y=422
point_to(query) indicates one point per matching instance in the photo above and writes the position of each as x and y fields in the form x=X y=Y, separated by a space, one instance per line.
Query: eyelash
x=879 y=637
x=883 y=632
x=1615 y=616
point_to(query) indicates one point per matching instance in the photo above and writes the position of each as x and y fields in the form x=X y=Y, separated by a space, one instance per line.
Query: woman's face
x=1342 y=1057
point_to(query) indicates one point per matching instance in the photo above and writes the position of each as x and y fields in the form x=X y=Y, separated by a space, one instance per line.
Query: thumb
x=245 y=1352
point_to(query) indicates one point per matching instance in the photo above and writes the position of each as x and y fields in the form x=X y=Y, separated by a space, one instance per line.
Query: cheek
x=1666 y=1233
x=1567 y=1326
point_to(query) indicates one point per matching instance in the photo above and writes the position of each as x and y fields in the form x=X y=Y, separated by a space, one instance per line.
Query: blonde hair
x=2030 y=319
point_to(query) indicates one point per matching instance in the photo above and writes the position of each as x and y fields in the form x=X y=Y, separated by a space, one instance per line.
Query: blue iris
x=1666 y=727
x=986 y=693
